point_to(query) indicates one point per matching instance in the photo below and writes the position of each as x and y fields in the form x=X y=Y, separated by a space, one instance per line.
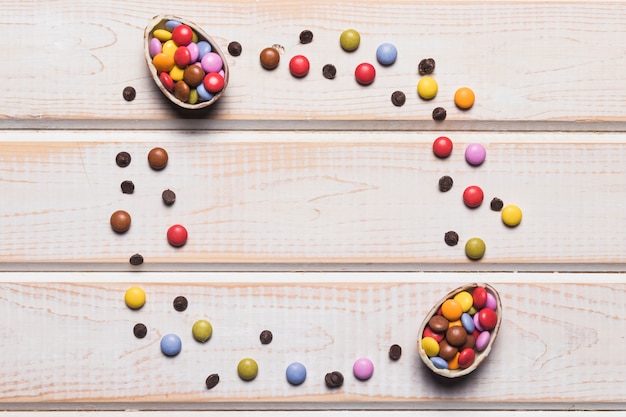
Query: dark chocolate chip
x=169 y=197
x=306 y=36
x=451 y=238
x=212 y=380
x=234 y=48
x=439 y=114
x=127 y=187
x=398 y=98
x=122 y=159
x=180 y=303
x=496 y=204
x=445 y=183
x=334 y=379
x=136 y=259
x=329 y=71
x=129 y=93
x=266 y=337
x=426 y=66
x=140 y=330
x=395 y=351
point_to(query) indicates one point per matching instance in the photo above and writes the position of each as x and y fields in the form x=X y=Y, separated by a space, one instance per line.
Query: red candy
x=299 y=66
x=182 y=56
x=365 y=73
x=428 y=332
x=182 y=35
x=473 y=196
x=442 y=147
x=466 y=358
x=480 y=297
x=487 y=318
x=167 y=81
x=177 y=235
x=213 y=82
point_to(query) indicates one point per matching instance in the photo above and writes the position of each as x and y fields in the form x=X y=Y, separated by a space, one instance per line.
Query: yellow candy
x=193 y=96
x=511 y=215
x=169 y=48
x=472 y=311
x=454 y=362
x=162 y=35
x=451 y=310
x=135 y=298
x=465 y=299
x=430 y=346
x=427 y=88
x=177 y=73
x=194 y=37
x=163 y=62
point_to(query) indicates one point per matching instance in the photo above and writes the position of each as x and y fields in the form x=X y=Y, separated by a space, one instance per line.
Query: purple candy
x=475 y=154
x=193 y=51
x=211 y=62
x=155 y=47
x=363 y=368
x=477 y=325
x=491 y=302
x=482 y=340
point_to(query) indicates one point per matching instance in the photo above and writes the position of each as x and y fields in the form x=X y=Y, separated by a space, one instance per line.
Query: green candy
x=350 y=40
x=247 y=369
x=475 y=248
x=202 y=330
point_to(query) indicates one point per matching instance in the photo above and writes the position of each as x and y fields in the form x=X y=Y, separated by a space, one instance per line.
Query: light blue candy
x=203 y=48
x=170 y=345
x=386 y=54
x=468 y=322
x=203 y=94
x=439 y=363
x=171 y=24
x=296 y=373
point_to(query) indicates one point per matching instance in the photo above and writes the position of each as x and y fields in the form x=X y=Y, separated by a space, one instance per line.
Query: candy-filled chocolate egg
x=458 y=333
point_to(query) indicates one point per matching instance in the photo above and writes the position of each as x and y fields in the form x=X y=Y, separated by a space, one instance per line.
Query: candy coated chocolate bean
x=295 y=373
x=299 y=66
x=193 y=75
x=167 y=81
x=193 y=96
x=473 y=196
x=365 y=73
x=171 y=24
x=427 y=87
x=203 y=95
x=438 y=323
x=479 y=296
x=468 y=322
x=456 y=336
x=213 y=82
x=162 y=35
x=363 y=369
x=487 y=318
x=182 y=56
x=211 y=62
x=135 y=298
x=203 y=48
x=155 y=47
x=430 y=346
x=247 y=369
x=193 y=51
x=469 y=343
x=465 y=299
x=181 y=91
x=177 y=235
x=482 y=340
x=428 y=332
x=451 y=310
x=171 y=345
x=202 y=330
x=177 y=73
x=349 y=40
x=163 y=62
x=386 y=54
x=454 y=363
x=477 y=324
x=442 y=147
x=446 y=350
x=466 y=358
x=439 y=363
x=475 y=154
x=182 y=35
x=491 y=301
x=169 y=48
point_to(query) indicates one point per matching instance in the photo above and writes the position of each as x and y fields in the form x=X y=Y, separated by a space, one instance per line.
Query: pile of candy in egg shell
x=461 y=329
x=187 y=67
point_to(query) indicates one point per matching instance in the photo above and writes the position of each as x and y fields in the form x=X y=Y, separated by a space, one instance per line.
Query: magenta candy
x=211 y=62
x=482 y=340
x=193 y=51
x=477 y=323
x=475 y=154
x=491 y=302
x=155 y=47
x=363 y=369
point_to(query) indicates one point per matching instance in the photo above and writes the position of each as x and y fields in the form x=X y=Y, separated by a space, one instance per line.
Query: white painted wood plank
x=70 y=345
x=311 y=198
x=526 y=60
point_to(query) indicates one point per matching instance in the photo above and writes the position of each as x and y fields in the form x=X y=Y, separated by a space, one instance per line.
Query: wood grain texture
x=72 y=344
x=526 y=60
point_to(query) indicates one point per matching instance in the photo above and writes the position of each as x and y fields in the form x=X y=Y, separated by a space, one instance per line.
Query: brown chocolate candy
x=469 y=343
x=445 y=183
x=395 y=351
x=334 y=379
x=120 y=221
x=446 y=350
x=136 y=259
x=128 y=187
x=129 y=93
x=266 y=337
x=269 y=58
x=234 y=48
x=451 y=238
x=212 y=380
x=193 y=75
x=122 y=159
x=169 y=197
x=306 y=36
x=157 y=158
x=398 y=98
x=439 y=114
x=182 y=90
x=329 y=71
x=180 y=303
x=426 y=66
x=456 y=335
x=140 y=330
x=438 y=324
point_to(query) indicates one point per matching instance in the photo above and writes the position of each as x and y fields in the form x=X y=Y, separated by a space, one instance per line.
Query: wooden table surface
x=312 y=208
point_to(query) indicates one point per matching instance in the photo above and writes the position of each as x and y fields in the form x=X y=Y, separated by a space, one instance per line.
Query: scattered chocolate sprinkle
x=122 y=159
x=180 y=303
x=128 y=187
x=395 y=351
x=234 y=48
x=398 y=98
x=426 y=66
x=445 y=183
x=496 y=204
x=451 y=238
x=439 y=113
x=266 y=337
x=169 y=197
x=329 y=71
x=306 y=36
x=334 y=379
x=140 y=330
x=212 y=380
x=136 y=259
x=129 y=93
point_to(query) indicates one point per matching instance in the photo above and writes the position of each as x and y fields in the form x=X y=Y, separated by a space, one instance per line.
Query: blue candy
x=171 y=24
x=468 y=322
x=203 y=94
x=203 y=48
x=170 y=345
x=386 y=54
x=439 y=362
x=296 y=373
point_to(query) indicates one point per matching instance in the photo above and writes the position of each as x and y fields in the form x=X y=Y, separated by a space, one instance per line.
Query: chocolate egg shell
x=158 y=22
x=480 y=356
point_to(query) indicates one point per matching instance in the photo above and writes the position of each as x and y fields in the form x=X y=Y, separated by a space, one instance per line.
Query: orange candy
x=464 y=98
x=163 y=62
x=451 y=310
x=454 y=362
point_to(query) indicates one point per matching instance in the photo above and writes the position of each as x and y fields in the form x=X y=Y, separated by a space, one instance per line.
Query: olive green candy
x=202 y=331
x=247 y=369
x=475 y=248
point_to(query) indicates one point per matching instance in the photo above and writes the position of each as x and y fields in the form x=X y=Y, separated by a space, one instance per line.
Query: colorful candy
x=464 y=98
x=363 y=369
x=427 y=87
x=365 y=73
x=171 y=345
x=299 y=66
x=349 y=40
x=295 y=373
x=386 y=54
x=442 y=147
x=177 y=235
x=511 y=215
x=473 y=196
x=247 y=369
x=475 y=248
x=135 y=298
x=475 y=154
